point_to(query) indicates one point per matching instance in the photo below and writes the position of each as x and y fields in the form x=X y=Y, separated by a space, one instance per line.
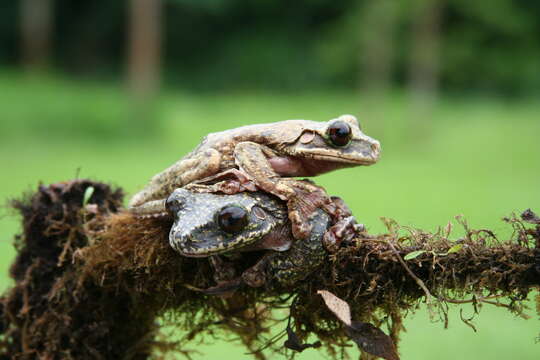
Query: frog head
x=338 y=143
x=208 y=223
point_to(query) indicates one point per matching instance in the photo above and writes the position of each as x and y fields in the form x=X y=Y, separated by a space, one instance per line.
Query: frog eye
x=232 y=219
x=339 y=133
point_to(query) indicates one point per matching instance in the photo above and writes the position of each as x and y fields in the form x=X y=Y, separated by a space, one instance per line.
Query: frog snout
x=184 y=244
x=179 y=237
x=376 y=148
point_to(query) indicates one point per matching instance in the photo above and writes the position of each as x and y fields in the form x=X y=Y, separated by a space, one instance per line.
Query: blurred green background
x=117 y=91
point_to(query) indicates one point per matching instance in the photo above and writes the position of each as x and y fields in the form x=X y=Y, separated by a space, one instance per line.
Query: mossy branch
x=91 y=280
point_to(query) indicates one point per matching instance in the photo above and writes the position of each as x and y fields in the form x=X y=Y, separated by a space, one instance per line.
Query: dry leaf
x=339 y=307
x=372 y=340
x=369 y=338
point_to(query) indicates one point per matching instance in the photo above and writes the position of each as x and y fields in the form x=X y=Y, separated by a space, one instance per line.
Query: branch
x=91 y=273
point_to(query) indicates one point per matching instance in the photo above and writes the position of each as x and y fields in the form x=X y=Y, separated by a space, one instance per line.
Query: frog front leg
x=302 y=197
x=224 y=276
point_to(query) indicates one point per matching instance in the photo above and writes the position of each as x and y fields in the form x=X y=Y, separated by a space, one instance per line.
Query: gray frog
x=209 y=224
x=266 y=154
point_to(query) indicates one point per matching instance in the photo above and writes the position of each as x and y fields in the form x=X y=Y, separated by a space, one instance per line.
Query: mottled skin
x=196 y=233
x=289 y=267
x=266 y=154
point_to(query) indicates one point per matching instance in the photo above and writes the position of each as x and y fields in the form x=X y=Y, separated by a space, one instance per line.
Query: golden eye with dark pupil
x=339 y=133
x=232 y=219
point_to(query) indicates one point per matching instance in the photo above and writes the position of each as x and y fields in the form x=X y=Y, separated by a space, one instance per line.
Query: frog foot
x=307 y=198
x=223 y=271
x=254 y=277
x=224 y=276
x=337 y=209
x=344 y=230
x=344 y=227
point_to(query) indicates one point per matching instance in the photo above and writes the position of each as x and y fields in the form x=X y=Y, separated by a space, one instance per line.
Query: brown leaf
x=372 y=340
x=339 y=307
x=369 y=338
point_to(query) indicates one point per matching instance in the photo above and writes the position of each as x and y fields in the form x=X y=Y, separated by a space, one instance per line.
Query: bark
x=36 y=32
x=378 y=25
x=378 y=22
x=424 y=56
x=144 y=58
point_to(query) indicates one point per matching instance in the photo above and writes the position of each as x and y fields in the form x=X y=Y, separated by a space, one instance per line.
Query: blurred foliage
x=491 y=45
x=46 y=106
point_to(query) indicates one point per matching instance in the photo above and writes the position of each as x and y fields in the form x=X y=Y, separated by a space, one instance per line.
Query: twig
x=416 y=278
x=478 y=299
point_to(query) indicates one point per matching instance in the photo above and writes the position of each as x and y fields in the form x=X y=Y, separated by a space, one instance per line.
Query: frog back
x=215 y=154
x=223 y=143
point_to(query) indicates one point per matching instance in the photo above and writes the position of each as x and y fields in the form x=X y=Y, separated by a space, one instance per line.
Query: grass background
x=474 y=156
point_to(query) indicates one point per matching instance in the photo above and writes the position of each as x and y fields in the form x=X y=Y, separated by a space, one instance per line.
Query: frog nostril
x=376 y=147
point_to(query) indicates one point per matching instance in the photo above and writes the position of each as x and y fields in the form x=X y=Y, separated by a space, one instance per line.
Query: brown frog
x=265 y=155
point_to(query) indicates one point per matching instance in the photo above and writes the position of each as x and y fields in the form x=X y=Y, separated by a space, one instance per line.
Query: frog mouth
x=357 y=152
x=198 y=249
x=344 y=157
x=365 y=160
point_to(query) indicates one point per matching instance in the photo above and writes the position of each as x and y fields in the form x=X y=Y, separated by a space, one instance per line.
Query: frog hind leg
x=183 y=172
x=251 y=158
x=230 y=182
x=154 y=208
x=302 y=197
